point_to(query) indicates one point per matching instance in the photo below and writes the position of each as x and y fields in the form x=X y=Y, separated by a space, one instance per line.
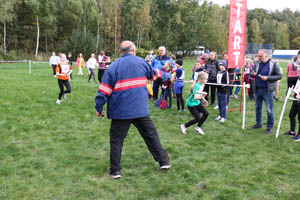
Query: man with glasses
x=266 y=72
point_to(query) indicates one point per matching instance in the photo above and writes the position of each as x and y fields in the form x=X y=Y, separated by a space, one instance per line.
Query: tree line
x=36 y=27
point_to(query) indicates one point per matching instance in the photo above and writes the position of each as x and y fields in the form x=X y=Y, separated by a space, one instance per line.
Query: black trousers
x=118 y=132
x=291 y=82
x=195 y=111
x=92 y=73
x=61 y=84
x=213 y=89
x=156 y=86
x=295 y=110
x=100 y=74
x=252 y=89
x=166 y=93
x=180 y=101
x=54 y=69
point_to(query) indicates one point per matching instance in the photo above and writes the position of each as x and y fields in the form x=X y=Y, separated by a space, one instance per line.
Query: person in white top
x=54 y=60
x=91 y=64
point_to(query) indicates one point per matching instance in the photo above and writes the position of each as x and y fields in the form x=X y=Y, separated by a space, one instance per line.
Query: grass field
x=50 y=151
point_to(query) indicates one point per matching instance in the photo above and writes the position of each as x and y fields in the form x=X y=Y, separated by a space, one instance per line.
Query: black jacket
x=223 y=78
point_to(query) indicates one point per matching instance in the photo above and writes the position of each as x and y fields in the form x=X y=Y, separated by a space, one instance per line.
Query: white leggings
x=80 y=71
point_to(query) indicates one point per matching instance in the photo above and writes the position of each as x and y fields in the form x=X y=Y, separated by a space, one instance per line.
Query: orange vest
x=63 y=69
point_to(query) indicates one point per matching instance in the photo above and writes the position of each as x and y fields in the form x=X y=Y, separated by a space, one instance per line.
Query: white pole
x=282 y=112
x=29 y=66
x=244 y=106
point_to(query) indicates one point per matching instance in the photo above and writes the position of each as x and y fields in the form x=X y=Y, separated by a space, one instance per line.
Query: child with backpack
x=196 y=102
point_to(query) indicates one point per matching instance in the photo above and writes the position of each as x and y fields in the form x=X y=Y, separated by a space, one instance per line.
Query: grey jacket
x=274 y=74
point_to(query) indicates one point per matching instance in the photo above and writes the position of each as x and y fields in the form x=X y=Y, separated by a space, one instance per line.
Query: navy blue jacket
x=124 y=88
x=160 y=61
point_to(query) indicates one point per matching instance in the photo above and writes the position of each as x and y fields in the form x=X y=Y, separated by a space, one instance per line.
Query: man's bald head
x=127 y=47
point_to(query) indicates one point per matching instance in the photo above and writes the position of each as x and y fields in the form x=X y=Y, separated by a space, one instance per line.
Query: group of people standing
x=62 y=69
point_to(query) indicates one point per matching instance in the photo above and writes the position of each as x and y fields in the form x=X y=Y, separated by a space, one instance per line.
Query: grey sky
x=266 y=4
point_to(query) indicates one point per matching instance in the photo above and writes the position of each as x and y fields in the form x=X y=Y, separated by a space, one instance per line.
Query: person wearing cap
x=178 y=79
x=124 y=88
x=222 y=91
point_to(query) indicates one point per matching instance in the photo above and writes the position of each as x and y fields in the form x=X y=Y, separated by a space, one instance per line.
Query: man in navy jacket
x=124 y=89
x=157 y=63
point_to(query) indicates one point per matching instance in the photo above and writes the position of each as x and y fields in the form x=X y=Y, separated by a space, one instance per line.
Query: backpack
x=163 y=104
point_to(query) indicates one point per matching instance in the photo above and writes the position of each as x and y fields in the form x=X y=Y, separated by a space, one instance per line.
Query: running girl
x=63 y=71
x=194 y=104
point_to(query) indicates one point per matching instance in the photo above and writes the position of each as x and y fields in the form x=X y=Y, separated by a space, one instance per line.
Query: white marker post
x=244 y=106
x=29 y=66
x=283 y=109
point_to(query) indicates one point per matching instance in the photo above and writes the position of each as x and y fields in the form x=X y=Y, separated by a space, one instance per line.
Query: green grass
x=50 y=151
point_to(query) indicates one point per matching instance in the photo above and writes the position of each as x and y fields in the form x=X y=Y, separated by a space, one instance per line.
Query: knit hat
x=179 y=62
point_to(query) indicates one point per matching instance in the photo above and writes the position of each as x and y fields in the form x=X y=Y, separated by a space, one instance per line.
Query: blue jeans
x=237 y=89
x=261 y=95
x=222 y=103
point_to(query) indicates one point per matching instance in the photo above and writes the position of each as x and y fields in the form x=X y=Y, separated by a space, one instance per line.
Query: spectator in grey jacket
x=211 y=67
x=266 y=72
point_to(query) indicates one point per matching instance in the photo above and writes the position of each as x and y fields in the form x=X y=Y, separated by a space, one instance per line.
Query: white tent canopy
x=284 y=54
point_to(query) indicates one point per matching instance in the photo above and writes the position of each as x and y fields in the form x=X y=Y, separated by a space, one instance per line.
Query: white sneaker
x=227 y=107
x=222 y=120
x=218 y=118
x=235 y=96
x=64 y=96
x=58 y=101
x=183 y=129
x=165 y=167
x=199 y=130
x=216 y=107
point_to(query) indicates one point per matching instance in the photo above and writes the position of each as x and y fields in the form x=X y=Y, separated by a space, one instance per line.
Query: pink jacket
x=290 y=71
x=78 y=62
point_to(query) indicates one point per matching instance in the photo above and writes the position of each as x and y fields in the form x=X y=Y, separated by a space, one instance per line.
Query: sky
x=266 y=4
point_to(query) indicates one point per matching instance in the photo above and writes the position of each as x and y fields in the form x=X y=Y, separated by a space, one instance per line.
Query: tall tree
x=295 y=43
x=255 y=34
x=269 y=31
x=282 y=36
x=43 y=10
x=35 y=7
x=6 y=16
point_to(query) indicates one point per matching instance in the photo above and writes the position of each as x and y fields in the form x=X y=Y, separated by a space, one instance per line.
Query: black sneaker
x=289 y=133
x=256 y=126
x=296 y=138
x=114 y=174
x=268 y=131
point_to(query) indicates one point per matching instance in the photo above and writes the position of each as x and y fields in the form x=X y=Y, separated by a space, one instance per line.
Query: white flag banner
x=297 y=87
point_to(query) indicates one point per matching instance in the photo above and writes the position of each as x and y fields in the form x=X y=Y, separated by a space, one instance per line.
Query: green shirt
x=190 y=102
